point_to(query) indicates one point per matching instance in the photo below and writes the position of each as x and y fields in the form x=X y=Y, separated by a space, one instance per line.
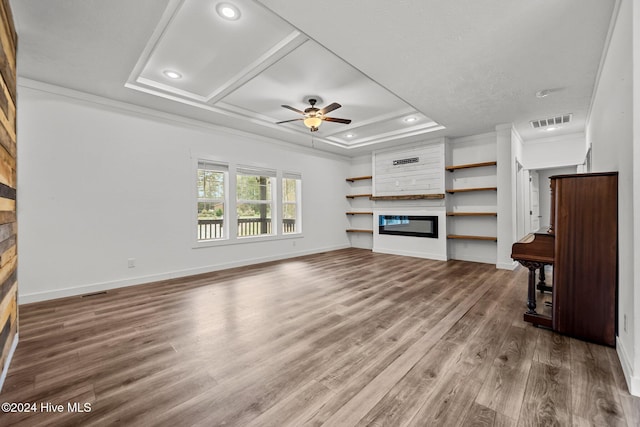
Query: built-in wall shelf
x=359 y=178
x=470 y=165
x=471 y=204
x=472 y=214
x=465 y=190
x=410 y=197
x=359 y=214
x=463 y=237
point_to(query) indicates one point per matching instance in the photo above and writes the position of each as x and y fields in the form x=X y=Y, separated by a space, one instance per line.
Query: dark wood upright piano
x=581 y=244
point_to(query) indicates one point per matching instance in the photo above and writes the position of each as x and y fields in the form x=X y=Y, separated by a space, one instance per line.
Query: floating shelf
x=359 y=213
x=465 y=190
x=410 y=197
x=470 y=165
x=358 y=178
x=353 y=196
x=472 y=214
x=358 y=230
x=459 y=236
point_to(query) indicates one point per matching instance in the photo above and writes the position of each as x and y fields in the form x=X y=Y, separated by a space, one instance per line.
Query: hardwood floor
x=344 y=338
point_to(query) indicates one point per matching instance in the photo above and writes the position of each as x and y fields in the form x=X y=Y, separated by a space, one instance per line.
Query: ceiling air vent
x=553 y=121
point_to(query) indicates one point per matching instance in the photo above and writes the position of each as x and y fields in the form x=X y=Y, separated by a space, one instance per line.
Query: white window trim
x=226 y=222
x=273 y=203
x=231 y=220
x=297 y=176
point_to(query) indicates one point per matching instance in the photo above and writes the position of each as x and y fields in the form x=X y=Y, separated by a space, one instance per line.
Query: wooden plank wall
x=425 y=176
x=8 y=224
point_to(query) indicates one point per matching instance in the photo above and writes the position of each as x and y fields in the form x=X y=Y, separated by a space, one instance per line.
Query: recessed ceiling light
x=410 y=119
x=349 y=135
x=172 y=74
x=228 y=11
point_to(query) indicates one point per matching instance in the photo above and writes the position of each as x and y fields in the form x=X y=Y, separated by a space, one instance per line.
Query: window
x=238 y=204
x=211 y=200
x=254 y=207
x=291 y=190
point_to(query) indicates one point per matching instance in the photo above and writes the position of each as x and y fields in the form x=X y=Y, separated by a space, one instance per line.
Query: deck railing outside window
x=209 y=229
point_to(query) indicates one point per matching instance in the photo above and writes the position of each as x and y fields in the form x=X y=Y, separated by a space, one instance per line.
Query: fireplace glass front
x=408 y=225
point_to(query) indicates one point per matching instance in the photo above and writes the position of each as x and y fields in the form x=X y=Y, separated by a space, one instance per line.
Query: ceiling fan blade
x=287 y=121
x=293 y=109
x=333 y=119
x=329 y=108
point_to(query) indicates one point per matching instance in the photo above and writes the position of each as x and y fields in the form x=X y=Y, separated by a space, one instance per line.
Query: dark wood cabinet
x=584 y=220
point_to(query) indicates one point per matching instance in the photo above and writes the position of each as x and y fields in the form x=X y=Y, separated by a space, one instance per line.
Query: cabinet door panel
x=585 y=270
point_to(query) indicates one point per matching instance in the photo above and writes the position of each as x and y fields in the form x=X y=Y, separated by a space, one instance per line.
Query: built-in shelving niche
x=360 y=215
x=472 y=204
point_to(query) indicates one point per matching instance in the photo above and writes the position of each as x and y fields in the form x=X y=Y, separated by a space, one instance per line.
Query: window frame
x=297 y=203
x=271 y=203
x=216 y=166
x=230 y=210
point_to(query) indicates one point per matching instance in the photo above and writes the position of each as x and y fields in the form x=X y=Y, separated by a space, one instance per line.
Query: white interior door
x=534 y=200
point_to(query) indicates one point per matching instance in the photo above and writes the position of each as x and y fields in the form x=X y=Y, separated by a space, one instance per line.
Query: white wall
x=635 y=318
x=610 y=131
x=361 y=166
x=544 y=185
x=554 y=152
x=101 y=182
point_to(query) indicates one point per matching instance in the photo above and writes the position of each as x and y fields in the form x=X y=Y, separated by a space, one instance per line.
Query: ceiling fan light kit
x=312 y=123
x=313 y=116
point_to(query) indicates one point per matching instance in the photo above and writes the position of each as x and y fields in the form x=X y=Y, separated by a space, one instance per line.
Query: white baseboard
x=104 y=286
x=7 y=362
x=473 y=259
x=633 y=382
x=507 y=265
x=437 y=257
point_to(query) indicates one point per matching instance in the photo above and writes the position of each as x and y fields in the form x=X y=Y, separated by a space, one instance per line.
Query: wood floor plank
x=413 y=393
x=505 y=387
x=552 y=349
x=547 y=398
x=595 y=398
x=332 y=353
x=479 y=416
x=344 y=337
x=369 y=396
x=630 y=405
x=456 y=391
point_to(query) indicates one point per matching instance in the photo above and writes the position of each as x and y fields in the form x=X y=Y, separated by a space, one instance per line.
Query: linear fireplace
x=408 y=225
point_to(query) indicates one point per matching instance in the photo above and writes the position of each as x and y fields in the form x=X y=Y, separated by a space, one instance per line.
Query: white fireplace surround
x=420 y=247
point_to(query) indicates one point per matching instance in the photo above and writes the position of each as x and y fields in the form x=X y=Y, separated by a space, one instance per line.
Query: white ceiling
x=460 y=67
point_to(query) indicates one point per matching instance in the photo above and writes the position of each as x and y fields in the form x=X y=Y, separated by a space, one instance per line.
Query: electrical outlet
x=131 y=262
x=624 y=317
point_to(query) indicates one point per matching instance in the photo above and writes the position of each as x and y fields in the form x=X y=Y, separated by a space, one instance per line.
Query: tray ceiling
x=459 y=67
x=253 y=65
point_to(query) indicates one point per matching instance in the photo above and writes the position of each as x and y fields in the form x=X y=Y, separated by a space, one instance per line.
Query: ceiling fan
x=314 y=116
